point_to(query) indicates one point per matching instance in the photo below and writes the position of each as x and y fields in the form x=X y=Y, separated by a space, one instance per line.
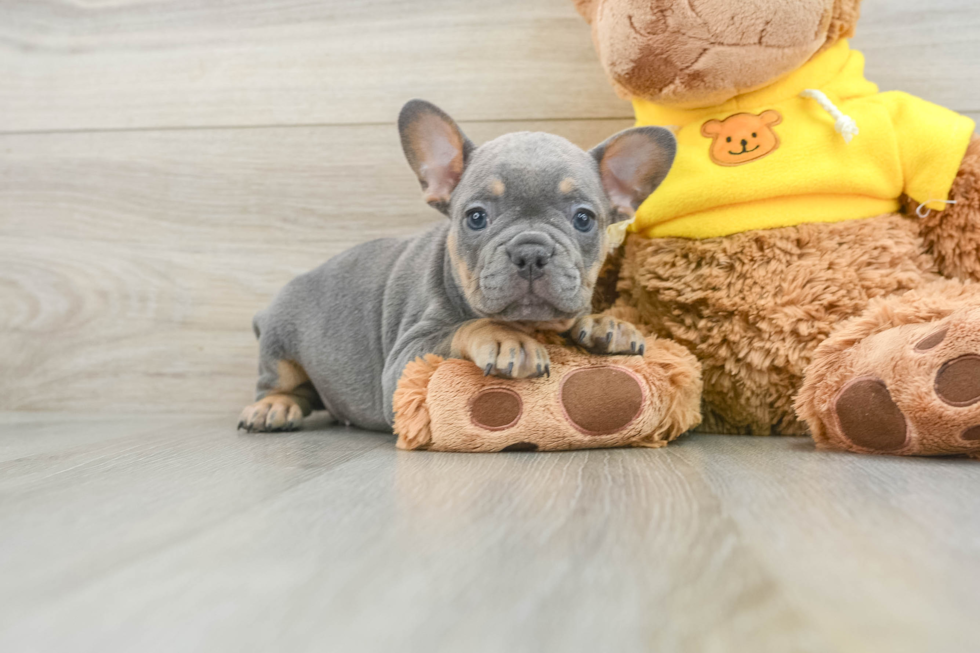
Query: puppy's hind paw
x=270 y=414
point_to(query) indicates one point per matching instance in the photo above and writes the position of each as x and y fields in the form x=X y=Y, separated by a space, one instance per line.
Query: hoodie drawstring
x=845 y=125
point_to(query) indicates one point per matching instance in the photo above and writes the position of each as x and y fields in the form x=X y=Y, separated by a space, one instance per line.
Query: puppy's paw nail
x=539 y=369
x=643 y=348
x=510 y=369
x=633 y=346
x=581 y=335
x=609 y=335
x=547 y=370
x=486 y=370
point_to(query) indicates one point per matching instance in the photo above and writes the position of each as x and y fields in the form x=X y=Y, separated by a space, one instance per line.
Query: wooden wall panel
x=929 y=49
x=154 y=63
x=179 y=63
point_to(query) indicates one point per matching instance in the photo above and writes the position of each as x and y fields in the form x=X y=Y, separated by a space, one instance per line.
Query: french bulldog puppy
x=521 y=250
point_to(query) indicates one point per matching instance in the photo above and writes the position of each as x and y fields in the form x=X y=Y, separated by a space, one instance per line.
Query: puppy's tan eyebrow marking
x=470 y=285
x=567 y=185
x=497 y=187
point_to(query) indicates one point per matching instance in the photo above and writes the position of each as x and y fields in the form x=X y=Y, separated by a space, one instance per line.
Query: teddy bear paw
x=911 y=390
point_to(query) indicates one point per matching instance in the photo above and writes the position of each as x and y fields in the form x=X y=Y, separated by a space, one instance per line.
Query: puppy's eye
x=476 y=219
x=584 y=220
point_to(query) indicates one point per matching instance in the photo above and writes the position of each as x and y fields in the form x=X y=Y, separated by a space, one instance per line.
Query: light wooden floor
x=174 y=533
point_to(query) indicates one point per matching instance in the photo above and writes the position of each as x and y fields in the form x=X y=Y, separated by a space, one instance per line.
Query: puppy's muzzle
x=531 y=252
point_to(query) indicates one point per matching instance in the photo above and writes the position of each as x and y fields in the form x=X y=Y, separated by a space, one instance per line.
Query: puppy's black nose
x=531 y=252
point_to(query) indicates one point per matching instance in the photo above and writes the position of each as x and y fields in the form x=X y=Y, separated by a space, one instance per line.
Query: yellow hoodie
x=773 y=158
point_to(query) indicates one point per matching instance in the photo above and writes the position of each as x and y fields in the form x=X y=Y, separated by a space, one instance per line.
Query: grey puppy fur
x=521 y=250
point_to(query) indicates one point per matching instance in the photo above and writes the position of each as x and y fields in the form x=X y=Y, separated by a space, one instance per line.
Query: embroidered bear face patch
x=742 y=137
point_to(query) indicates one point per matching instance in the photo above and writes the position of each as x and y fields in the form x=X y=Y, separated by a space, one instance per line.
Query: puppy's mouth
x=534 y=302
x=531 y=307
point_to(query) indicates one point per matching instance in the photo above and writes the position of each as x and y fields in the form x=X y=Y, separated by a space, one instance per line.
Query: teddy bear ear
x=436 y=148
x=632 y=164
x=711 y=128
x=843 y=21
x=771 y=117
x=587 y=9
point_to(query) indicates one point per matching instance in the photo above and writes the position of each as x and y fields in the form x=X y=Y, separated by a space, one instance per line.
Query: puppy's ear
x=632 y=164
x=436 y=149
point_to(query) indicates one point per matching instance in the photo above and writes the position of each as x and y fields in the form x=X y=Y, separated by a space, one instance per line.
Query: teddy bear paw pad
x=496 y=409
x=869 y=417
x=521 y=446
x=958 y=381
x=601 y=400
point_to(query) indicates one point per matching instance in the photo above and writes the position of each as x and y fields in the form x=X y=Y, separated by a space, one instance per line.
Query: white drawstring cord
x=919 y=212
x=845 y=125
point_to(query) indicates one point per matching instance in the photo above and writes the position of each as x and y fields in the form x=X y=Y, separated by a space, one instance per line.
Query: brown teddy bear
x=817 y=243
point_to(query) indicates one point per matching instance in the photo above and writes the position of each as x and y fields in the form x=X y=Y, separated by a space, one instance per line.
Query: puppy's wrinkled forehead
x=530 y=167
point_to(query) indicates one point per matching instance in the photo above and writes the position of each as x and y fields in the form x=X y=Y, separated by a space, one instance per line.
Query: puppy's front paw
x=601 y=334
x=502 y=350
x=276 y=412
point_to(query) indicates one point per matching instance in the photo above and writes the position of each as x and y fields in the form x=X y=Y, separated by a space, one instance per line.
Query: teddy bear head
x=700 y=53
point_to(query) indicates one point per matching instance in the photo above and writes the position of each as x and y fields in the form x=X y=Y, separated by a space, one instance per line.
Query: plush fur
x=434 y=403
x=795 y=327
x=754 y=306
x=952 y=236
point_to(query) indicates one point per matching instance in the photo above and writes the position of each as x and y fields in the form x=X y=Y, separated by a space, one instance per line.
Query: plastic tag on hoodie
x=616 y=232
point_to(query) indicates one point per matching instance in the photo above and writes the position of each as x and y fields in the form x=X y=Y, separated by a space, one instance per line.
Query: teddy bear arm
x=952 y=236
